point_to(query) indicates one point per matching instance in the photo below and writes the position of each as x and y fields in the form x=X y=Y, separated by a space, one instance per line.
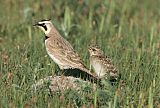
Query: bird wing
x=108 y=63
x=64 y=51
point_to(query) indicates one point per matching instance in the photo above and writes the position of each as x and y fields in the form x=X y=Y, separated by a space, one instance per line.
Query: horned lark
x=102 y=65
x=59 y=49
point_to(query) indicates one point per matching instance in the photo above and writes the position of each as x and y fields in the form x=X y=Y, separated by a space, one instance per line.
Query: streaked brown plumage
x=102 y=65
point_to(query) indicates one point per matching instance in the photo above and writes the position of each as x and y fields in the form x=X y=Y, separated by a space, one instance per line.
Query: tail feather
x=88 y=72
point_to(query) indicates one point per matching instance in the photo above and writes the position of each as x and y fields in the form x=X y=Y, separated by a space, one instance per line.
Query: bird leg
x=90 y=67
x=62 y=72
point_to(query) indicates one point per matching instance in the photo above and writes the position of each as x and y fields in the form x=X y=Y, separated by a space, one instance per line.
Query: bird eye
x=93 y=49
x=43 y=23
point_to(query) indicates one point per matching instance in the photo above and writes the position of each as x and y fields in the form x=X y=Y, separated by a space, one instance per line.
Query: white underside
x=98 y=69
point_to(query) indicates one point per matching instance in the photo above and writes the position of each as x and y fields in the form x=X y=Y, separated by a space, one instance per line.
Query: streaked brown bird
x=102 y=65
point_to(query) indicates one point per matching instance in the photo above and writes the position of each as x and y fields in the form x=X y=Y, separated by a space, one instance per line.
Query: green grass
x=127 y=31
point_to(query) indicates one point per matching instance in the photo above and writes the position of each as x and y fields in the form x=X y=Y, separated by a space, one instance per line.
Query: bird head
x=44 y=25
x=95 y=50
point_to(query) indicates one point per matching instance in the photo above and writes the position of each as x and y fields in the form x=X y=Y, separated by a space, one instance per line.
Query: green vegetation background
x=127 y=31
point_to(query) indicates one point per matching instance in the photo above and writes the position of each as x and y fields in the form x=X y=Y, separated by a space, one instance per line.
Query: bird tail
x=88 y=72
